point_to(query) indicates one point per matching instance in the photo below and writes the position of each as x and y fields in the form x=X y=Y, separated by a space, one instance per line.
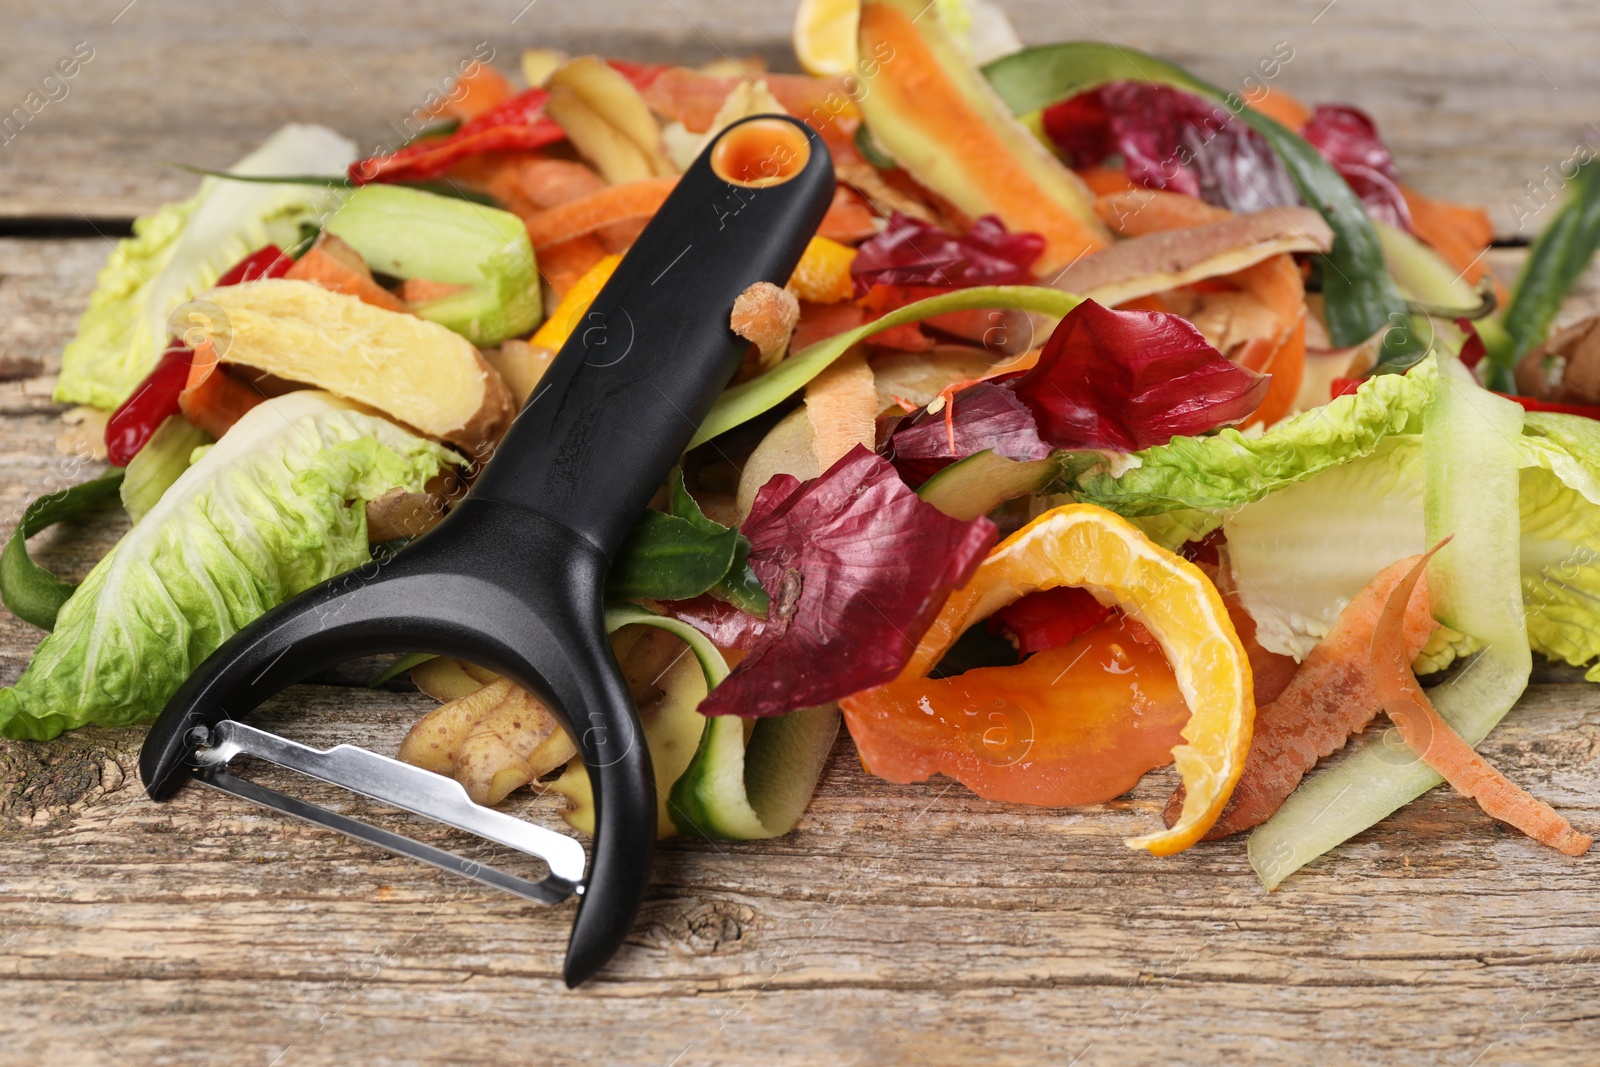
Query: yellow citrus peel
x=569 y=313
x=823 y=274
x=1088 y=546
x=825 y=37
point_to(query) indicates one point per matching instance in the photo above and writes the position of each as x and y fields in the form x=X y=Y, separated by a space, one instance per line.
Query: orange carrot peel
x=1440 y=747
x=212 y=398
x=585 y=215
x=1330 y=697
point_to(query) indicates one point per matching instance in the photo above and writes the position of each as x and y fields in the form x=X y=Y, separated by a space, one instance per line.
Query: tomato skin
x=1049 y=618
x=1075 y=724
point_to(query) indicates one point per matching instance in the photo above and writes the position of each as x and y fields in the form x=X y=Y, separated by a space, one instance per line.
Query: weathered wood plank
x=899 y=924
x=1475 y=99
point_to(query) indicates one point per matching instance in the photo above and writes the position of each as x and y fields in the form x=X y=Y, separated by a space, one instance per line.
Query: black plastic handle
x=632 y=384
x=497 y=586
x=513 y=578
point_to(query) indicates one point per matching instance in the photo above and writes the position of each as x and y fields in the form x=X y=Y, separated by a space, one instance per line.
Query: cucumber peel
x=983 y=481
x=414 y=234
x=672 y=731
x=749 y=791
x=745 y=401
x=728 y=788
x=1470 y=444
x=710 y=659
x=1558 y=258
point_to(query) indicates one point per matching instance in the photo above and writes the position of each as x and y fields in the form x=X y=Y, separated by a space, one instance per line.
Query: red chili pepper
x=519 y=122
x=156 y=398
x=266 y=262
x=1473 y=350
x=1588 y=411
x=1345 y=386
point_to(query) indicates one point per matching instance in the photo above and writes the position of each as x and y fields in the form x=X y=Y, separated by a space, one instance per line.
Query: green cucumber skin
x=983 y=481
x=738 y=791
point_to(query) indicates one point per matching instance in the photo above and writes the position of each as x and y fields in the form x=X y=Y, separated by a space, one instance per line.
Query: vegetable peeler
x=513 y=578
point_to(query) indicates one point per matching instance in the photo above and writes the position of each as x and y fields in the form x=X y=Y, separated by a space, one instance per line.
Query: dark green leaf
x=671 y=558
x=739 y=586
x=685 y=507
x=32 y=593
x=1359 y=296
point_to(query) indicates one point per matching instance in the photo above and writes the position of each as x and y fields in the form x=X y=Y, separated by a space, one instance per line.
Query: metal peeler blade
x=402 y=786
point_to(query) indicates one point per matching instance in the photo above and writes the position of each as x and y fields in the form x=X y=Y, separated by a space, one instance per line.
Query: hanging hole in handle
x=760 y=153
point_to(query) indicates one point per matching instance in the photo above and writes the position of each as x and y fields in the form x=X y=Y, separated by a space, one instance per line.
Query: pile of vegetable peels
x=1110 y=420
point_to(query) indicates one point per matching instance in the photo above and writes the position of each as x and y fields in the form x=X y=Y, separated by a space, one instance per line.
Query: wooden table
x=898 y=924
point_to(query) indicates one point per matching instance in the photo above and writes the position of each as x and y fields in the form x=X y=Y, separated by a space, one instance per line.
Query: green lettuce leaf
x=1560 y=510
x=182 y=249
x=1229 y=468
x=1298 y=556
x=157 y=465
x=278 y=505
x=1569 y=445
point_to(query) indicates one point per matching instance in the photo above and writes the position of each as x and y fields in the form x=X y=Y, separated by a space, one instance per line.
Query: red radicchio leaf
x=726 y=625
x=982 y=416
x=1173 y=140
x=1348 y=139
x=1049 y=619
x=857 y=566
x=1081 y=127
x=912 y=252
x=1129 y=380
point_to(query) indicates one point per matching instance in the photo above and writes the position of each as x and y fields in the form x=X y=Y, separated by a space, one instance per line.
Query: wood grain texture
x=1475 y=98
x=897 y=925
